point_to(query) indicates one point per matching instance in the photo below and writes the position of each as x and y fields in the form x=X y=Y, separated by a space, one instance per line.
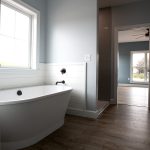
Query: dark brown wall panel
x=105 y=29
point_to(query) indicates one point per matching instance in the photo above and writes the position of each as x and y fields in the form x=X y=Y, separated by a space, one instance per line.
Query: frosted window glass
x=22 y=27
x=15 y=39
x=7 y=21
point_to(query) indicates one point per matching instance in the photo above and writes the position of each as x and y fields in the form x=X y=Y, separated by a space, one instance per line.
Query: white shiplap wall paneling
x=75 y=77
x=13 y=78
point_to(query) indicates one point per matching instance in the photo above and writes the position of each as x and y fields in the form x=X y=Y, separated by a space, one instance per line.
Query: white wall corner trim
x=83 y=113
x=86 y=113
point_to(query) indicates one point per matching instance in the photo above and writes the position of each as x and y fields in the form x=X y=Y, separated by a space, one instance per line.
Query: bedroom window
x=18 y=35
x=139 y=66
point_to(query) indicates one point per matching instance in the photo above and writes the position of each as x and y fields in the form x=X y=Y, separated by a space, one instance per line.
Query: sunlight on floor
x=137 y=96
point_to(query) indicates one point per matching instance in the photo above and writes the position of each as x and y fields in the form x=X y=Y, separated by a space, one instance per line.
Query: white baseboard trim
x=134 y=85
x=83 y=113
x=86 y=113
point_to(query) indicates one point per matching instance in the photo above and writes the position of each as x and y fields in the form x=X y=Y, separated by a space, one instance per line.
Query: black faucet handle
x=63 y=82
x=63 y=70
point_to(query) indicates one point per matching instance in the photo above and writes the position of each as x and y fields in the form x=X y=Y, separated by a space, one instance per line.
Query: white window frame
x=131 y=65
x=26 y=9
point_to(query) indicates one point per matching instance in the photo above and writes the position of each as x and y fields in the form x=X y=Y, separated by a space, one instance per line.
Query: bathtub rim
x=13 y=102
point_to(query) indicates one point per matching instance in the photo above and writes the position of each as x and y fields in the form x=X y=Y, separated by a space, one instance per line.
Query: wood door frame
x=116 y=57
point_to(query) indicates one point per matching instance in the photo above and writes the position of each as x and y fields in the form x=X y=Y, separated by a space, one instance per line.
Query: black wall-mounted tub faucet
x=63 y=82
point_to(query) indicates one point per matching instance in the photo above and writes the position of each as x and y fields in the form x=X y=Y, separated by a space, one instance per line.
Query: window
x=139 y=66
x=18 y=36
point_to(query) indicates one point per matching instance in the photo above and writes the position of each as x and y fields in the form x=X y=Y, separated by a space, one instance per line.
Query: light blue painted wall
x=125 y=59
x=41 y=6
x=72 y=33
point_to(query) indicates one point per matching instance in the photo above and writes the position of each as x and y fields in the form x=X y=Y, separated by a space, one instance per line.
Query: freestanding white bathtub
x=26 y=119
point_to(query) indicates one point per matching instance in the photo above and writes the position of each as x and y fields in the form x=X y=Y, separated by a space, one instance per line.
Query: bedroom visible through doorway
x=133 y=70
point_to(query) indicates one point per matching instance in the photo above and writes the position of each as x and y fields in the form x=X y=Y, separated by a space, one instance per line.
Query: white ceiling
x=132 y=35
x=110 y=3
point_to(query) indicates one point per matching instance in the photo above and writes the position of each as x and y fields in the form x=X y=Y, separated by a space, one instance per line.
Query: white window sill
x=19 y=70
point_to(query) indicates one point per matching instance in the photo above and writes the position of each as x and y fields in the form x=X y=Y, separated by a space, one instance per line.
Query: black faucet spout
x=63 y=82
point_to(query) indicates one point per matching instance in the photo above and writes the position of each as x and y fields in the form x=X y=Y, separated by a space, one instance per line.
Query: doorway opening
x=133 y=66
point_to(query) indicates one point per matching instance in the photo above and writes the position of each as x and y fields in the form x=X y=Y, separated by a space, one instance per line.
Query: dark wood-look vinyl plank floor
x=120 y=127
